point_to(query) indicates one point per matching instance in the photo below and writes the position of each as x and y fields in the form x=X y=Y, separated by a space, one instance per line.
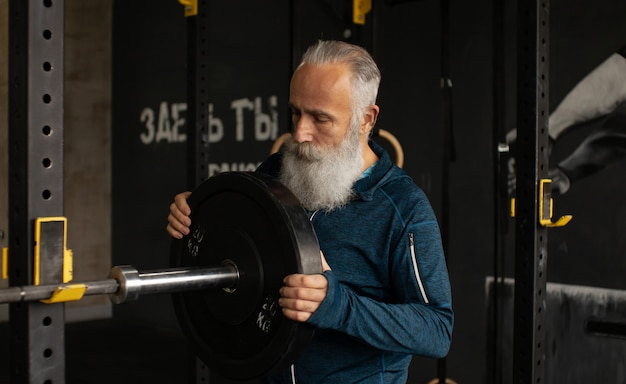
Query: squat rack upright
x=36 y=185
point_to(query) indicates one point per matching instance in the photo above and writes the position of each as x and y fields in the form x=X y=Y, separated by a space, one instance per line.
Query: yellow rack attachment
x=359 y=9
x=67 y=253
x=191 y=7
x=545 y=206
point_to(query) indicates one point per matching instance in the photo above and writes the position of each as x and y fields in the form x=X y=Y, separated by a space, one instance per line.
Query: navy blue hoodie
x=389 y=293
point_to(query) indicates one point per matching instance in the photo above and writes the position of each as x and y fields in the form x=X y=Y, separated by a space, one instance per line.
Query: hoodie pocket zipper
x=416 y=268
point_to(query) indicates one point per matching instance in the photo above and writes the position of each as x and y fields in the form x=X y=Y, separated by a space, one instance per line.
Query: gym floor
x=118 y=351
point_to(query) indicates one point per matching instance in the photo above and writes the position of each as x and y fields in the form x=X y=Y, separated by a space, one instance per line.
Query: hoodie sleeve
x=420 y=318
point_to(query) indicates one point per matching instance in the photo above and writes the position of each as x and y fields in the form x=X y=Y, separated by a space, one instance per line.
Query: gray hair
x=365 y=73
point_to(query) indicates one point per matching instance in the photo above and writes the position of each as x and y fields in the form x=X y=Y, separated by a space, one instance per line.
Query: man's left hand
x=302 y=294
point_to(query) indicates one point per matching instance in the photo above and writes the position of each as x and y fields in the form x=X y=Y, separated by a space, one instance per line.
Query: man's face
x=324 y=157
x=321 y=104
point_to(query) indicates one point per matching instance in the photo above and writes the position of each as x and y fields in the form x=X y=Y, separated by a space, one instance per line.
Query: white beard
x=322 y=178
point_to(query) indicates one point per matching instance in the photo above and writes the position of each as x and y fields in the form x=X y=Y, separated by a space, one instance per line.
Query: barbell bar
x=248 y=232
x=45 y=292
x=126 y=283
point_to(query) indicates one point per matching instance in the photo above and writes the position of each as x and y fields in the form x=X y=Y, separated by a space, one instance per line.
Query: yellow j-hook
x=359 y=9
x=191 y=7
x=545 y=206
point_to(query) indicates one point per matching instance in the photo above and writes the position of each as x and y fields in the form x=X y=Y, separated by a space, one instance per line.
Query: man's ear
x=369 y=118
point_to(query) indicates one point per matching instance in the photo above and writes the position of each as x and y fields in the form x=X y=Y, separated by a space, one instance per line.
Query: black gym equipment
x=255 y=223
x=249 y=232
x=531 y=235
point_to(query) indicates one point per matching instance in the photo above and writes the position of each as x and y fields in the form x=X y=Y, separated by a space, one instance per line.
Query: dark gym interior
x=450 y=95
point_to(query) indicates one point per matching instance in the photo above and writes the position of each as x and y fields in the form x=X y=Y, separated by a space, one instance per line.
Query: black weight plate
x=256 y=223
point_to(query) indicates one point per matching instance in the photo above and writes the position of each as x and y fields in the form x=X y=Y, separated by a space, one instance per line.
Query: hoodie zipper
x=415 y=267
x=293 y=373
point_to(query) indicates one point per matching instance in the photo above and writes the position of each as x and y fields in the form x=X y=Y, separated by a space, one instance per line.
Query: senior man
x=384 y=294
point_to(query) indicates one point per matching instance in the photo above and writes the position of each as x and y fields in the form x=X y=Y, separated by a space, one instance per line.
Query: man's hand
x=302 y=294
x=178 y=220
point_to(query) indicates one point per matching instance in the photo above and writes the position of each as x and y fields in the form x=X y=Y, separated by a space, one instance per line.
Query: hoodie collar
x=381 y=172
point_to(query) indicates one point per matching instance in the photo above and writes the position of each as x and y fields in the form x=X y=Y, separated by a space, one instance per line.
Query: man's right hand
x=178 y=220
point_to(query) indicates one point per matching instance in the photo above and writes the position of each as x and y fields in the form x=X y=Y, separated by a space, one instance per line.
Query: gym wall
x=585 y=265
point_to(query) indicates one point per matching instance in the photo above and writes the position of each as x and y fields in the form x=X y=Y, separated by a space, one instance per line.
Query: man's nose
x=302 y=131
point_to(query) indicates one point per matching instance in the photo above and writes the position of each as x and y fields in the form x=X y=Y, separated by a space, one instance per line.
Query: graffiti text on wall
x=245 y=121
x=166 y=123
